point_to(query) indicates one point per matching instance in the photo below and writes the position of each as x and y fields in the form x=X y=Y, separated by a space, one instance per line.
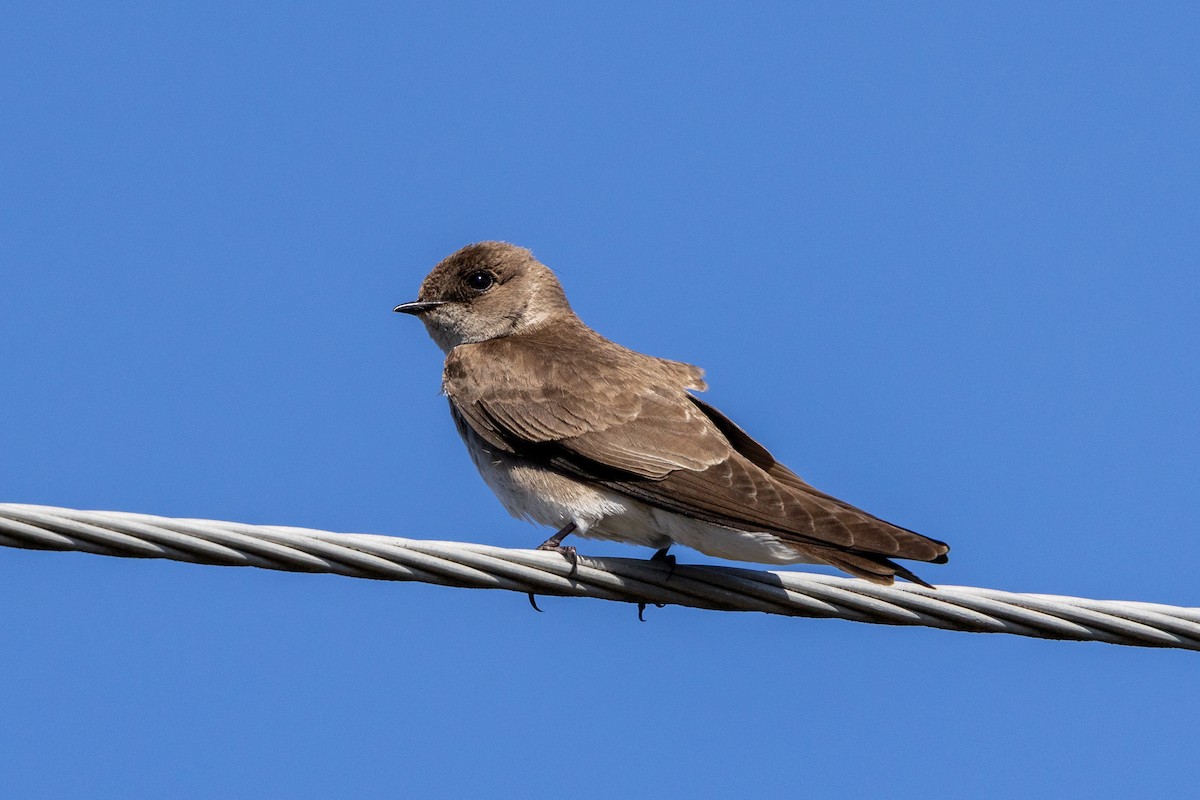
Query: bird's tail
x=870 y=566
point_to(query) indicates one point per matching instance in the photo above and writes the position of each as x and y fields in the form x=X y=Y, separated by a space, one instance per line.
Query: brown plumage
x=570 y=428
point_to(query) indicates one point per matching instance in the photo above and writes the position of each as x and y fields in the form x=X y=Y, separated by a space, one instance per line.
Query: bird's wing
x=524 y=393
x=738 y=493
x=630 y=426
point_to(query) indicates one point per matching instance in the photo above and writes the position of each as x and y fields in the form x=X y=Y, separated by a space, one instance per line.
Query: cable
x=476 y=566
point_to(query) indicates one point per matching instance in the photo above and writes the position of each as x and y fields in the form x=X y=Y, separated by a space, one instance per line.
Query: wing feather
x=627 y=422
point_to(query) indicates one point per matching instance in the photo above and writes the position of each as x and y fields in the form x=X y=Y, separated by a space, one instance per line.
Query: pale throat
x=449 y=326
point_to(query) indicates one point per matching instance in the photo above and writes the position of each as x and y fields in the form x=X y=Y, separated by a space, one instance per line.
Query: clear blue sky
x=944 y=259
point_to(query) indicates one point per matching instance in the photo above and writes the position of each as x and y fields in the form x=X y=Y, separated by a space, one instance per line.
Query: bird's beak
x=418 y=306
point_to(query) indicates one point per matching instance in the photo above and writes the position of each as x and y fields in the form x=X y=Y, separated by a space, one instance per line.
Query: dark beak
x=418 y=306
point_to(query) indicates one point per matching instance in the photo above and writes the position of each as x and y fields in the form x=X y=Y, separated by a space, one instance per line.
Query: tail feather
x=869 y=566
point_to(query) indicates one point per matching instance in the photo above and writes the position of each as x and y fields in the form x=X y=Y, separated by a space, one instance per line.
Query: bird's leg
x=663 y=557
x=555 y=543
x=666 y=558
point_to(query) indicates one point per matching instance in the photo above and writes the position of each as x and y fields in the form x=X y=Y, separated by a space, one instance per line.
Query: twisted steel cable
x=477 y=566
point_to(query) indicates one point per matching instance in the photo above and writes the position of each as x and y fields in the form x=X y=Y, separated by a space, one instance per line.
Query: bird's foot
x=567 y=552
x=642 y=610
x=555 y=543
x=663 y=557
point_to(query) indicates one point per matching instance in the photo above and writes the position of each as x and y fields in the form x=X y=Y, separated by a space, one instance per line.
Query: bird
x=576 y=432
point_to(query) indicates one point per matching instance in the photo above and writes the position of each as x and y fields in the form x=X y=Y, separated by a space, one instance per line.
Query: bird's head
x=486 y=291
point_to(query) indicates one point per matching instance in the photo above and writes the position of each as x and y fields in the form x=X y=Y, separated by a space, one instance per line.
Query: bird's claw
x=642 y=610
x=663 y=557
x=567 y=552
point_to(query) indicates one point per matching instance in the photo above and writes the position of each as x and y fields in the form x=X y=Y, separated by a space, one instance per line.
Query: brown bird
x=577 y=432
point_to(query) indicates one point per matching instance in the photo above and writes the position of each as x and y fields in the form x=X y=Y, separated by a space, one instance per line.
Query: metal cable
x=477 y=566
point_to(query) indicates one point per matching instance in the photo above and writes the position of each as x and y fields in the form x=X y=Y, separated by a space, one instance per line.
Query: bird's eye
x=480 y=281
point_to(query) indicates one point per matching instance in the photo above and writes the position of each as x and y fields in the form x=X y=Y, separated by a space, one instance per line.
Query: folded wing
x=626 y=421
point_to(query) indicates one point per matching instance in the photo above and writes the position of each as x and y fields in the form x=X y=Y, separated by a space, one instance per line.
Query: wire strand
x=477 y=566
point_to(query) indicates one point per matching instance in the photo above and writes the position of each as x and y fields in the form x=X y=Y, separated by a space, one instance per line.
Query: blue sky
x=941 y=258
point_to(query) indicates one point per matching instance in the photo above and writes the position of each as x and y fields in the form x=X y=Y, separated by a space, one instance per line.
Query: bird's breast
x=535 y=492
